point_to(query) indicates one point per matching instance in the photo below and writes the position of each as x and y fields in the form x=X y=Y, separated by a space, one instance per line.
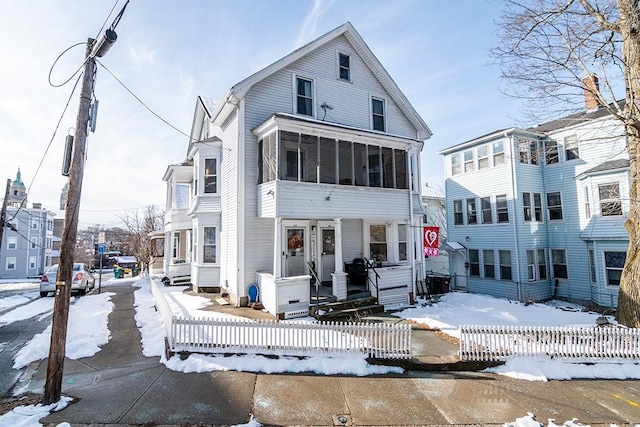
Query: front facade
x=303 y=167
x=539 y=213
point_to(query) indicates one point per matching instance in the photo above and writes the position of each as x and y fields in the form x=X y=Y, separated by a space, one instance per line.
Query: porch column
x=277 y=249
x=339 y=278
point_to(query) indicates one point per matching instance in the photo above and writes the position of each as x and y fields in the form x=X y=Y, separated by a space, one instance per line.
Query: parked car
x=83 y=280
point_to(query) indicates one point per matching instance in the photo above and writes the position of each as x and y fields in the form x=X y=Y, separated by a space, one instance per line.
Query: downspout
x=241 y=201
x=514 y=189
x=411 y=227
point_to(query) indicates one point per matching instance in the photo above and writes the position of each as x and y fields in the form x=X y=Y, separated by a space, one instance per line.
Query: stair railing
x=371 y=266
x=312 y=270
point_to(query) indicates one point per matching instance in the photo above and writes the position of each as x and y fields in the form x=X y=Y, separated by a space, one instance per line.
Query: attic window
x=344 y=67
x=304 y=96
x=377 y=114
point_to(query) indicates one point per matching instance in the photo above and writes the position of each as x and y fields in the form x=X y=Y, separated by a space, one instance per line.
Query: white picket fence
x=294 y=338
x=494 y=343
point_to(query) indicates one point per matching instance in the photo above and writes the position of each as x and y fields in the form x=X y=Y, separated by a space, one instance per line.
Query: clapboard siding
x=229 y=204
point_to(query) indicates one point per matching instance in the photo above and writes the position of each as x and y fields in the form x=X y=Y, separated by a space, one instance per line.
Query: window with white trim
x=377 y=114
x=531 y=265
x=181 y=196
x=610 y=202
x=614 y=263
x=472 y=215
x=502 y=209
x=12 y=243
x=211 y=176
x=489 y=263
x=174 y=249
x=209 y=245
x=554 y=206
x=474 y=262
x=34 y=223
x=587 y=203
x=304 y=96
x=10 y=263
x=458 y=218
x=34 y=242
x=559 y=263
x=571 y=150
x=344 y=67
x=32 y=263
x=505 y=265
x=402 y=242
x=487 y=211
x=551 y=152
x=592 y=266
x=498 y=153
x=456 y=167
x=483 y=157
x=469 y=165
x=542 y=264
x=378 y=242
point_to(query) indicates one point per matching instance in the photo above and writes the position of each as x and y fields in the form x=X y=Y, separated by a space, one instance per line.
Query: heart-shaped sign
x=430 y=237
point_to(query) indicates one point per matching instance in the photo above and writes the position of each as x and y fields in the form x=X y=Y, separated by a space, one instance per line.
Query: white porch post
x=339 y=277
x=277 y=249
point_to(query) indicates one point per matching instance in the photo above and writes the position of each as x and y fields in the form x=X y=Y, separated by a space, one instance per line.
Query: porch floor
x=324 y=293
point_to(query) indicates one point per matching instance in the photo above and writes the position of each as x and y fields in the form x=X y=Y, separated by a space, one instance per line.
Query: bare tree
x=139 y=228
x=555 y=51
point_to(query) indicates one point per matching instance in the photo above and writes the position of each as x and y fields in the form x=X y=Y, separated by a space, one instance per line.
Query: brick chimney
x=590 y=84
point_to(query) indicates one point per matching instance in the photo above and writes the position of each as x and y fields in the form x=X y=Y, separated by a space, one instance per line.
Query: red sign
x=430 y=241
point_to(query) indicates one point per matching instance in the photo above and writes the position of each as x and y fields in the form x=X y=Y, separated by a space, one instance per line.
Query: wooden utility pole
x=3 y=213
x=55 y=362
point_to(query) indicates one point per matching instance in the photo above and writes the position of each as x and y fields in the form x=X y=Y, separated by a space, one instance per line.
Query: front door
x=327 y=254
x=294 y=262
x=460 y=270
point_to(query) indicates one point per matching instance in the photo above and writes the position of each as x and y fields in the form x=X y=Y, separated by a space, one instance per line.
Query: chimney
x=590 y=85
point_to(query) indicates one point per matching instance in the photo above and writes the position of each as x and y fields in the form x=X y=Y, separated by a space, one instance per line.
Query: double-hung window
x=551 y=152
x=554 y=206
x=378 y=242
x=458 y=219
x=483 y=157
x=614 y=263
x=468 y=161
x=489 y=263
x=502 y=209
x=474 y=262
x=456 y=167
x=210 y=176
x=209 y=245
x=571 y=150
x=498 y=153
x=487 y=213
x=402 y=242
x=542 y=264
x=181 y=196
x=10 y=263
x=344 y=67
x=12 y=243
x=526 y=206
x=304 y=96
x=610 y=203
x=472 y=215
x=531 y=265
x=377 y=114
x=559 y=263
x=505 y=264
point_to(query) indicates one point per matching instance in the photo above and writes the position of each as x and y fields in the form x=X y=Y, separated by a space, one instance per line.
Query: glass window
x=209 y=245
x=32 y=263
x=502 y=210
x=474 y=262
x=34 y=242
x=610 y=203
x=533 y=150
x=401 y=169
x=531 y=265
x=456 y=168
x=505 y=265
x=592 y=266
x=457 y=212
x=554 y=206
x=551 y=152
x=328 y=160
x=526 y=206
x=181 y=196
x=268 y=158
x=344 y=67
x=210 y=175
x=571 y=150
x=176 y=245
x=34 y=223
x=523 y=148
x=377 y=112
x=559 y=263
x=375 y=166
x=345 y=163
x=537 y=207
x=483 y=157
x=12 y=243
x=360 y=163
x=11 y=263
x=378 y=242
x=402 y=242
x=489 y=263
x=472 y=216
x=304 y=96
x=309 y=155
x=542 y=264
x=289 y=156
x=468 y=161
x=498 y=153
x=587 y=203
x=487 y=213
x=614 y=263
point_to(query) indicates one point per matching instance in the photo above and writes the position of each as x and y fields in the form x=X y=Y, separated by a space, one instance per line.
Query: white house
x=302 y=167
x=538 y=213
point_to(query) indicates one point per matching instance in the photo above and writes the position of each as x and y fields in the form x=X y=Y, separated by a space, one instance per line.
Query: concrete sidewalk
x=118 y=386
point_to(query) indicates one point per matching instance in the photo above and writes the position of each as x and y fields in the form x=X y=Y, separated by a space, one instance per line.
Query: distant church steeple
x=17 y=192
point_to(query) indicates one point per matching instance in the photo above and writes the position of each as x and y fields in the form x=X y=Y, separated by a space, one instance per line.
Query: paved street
x=118 y=386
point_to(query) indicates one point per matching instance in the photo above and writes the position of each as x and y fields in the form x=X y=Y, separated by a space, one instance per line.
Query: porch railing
x=204 y=335
x=493 y=343
x=371 y=266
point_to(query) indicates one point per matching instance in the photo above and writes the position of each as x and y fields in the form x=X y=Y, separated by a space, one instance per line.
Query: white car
x=83 y=280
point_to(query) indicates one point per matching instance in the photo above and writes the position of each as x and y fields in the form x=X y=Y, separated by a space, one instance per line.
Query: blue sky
x=168 y=52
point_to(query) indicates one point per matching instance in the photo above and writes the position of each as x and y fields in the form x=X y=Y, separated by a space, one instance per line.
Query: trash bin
x=117 y=272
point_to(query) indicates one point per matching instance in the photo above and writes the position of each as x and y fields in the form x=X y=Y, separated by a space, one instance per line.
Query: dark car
x=82 y=282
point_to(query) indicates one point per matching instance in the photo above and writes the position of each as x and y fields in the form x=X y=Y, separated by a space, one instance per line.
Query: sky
x=169 y=52
x=451 y=311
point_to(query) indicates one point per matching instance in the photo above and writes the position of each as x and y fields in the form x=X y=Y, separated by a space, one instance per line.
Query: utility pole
x=3 y=213
x=55 y=362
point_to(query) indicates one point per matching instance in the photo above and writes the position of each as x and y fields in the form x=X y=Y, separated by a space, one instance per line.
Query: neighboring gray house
x=27 y=239
x=539 y=213
x=305 y=166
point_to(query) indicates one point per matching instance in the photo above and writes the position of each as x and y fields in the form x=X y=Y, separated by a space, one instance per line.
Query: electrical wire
x=107 y=18
x=60 y=56
x=141 y=102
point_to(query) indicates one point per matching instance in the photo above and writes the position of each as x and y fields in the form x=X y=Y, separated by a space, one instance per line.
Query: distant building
x=539 y=213
x=26 y=249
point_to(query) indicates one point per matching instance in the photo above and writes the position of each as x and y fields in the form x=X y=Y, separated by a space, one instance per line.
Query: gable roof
x=240 y=89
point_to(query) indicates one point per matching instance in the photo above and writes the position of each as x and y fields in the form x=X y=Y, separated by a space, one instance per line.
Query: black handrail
x=371 y=266
x=313 y=273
